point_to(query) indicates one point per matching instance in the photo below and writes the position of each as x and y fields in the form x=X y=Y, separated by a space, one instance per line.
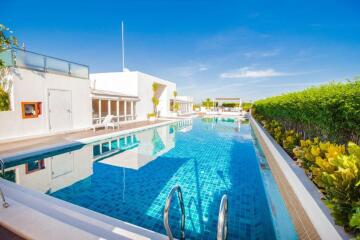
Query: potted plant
x=151 y=117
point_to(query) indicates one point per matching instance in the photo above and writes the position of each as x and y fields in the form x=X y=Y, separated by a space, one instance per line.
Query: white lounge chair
x=107 y=122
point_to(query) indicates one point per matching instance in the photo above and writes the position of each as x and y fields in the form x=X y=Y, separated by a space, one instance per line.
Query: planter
x=310 y=215
x=152 y=119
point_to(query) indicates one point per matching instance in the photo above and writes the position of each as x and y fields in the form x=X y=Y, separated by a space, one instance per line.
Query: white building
x=48 y=95
x=130 y=90
x=185 y=104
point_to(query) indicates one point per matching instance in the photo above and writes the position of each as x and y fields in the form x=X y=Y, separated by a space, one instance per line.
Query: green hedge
x=230 y=105
x=331 y=111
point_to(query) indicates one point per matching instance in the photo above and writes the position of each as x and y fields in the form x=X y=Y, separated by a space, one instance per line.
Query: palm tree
x=208 y=103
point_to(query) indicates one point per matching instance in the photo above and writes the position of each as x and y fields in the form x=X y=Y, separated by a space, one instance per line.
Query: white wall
x=32 y=86
x=145 y=94
x=136 y=84
x=122 y=82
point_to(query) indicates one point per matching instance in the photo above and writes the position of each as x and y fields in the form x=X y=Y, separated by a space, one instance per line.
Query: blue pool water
x=129 y=178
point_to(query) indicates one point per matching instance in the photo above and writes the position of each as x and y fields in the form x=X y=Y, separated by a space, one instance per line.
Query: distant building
x=128 y=96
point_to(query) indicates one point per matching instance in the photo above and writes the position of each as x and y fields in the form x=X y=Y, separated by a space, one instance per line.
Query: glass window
x=128 y=108
x=104 y=108
x=121 y=108
x=113 y=108
x=134 y=108
x=95 y=108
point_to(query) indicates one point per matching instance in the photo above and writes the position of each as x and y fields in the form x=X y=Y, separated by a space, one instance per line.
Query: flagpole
x=122 y=46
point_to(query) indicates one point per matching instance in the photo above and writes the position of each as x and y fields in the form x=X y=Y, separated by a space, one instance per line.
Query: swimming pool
x=130 y=176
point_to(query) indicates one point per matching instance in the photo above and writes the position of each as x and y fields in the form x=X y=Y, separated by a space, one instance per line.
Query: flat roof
x=104 y=93
x=220 y=98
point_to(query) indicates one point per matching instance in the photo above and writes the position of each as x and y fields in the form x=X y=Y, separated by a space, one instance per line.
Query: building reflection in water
x=132 y=151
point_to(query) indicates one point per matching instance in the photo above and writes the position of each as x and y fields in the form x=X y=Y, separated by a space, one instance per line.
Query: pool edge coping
x=79 y=142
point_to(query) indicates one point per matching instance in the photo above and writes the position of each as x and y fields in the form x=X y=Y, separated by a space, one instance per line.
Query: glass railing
x=15 y=57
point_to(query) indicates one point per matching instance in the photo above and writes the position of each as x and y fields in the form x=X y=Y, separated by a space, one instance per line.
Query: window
x=35 y=166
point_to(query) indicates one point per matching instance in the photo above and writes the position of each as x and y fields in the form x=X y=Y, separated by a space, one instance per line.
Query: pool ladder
x=222 y=226
x=4 y=203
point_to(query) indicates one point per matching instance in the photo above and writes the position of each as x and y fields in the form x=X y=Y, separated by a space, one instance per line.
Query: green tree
x=207 y=103
x=246 y=106
x=7 y=40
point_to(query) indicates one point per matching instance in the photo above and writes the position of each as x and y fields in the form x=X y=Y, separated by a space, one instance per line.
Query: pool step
x=222 y=227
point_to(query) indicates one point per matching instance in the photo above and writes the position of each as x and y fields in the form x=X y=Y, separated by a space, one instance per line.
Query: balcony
x=19 y=58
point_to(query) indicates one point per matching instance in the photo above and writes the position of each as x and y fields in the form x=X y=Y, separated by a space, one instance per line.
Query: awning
x=103 y=94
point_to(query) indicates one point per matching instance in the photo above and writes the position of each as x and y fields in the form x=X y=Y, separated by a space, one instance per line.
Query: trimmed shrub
x=330 y=112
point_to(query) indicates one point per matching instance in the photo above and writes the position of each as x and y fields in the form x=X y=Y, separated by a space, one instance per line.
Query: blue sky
x=248 y=49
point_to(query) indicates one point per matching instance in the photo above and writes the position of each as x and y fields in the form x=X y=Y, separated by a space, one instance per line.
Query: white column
x=109 y=107
x=117 y=111
x=132 y=110
x=100 y=111
x=125 y=110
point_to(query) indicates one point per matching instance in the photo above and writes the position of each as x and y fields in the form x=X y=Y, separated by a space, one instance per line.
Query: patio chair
x=107 y=122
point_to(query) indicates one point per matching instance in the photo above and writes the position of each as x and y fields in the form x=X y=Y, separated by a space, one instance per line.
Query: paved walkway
x=48 y=141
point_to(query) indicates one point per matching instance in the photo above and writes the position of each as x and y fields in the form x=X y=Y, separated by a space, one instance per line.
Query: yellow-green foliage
x=290 y=140
x=4 y=100
x=334 y=168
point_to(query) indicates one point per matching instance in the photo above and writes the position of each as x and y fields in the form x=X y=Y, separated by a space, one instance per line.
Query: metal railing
x=4 y=203
x=2 y=167
x=222 y=227
x=177 y=189
x=16 y=57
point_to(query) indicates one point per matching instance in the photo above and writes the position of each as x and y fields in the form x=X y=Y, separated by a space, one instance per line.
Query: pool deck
x=14 y=147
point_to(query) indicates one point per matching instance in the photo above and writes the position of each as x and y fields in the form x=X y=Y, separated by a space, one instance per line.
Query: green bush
x=230 y=105
x=331 y=111
x=246 y=106
x=4 y=100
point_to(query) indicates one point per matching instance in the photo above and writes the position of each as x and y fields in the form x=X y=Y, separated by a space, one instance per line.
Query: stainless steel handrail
x=2 y=166
x=177 y=189
x=4 y=204
x=222 y=227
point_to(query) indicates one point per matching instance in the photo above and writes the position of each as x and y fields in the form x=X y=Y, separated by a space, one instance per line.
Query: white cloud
x=257 y=54
x=188 y=70
x=248 y=73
